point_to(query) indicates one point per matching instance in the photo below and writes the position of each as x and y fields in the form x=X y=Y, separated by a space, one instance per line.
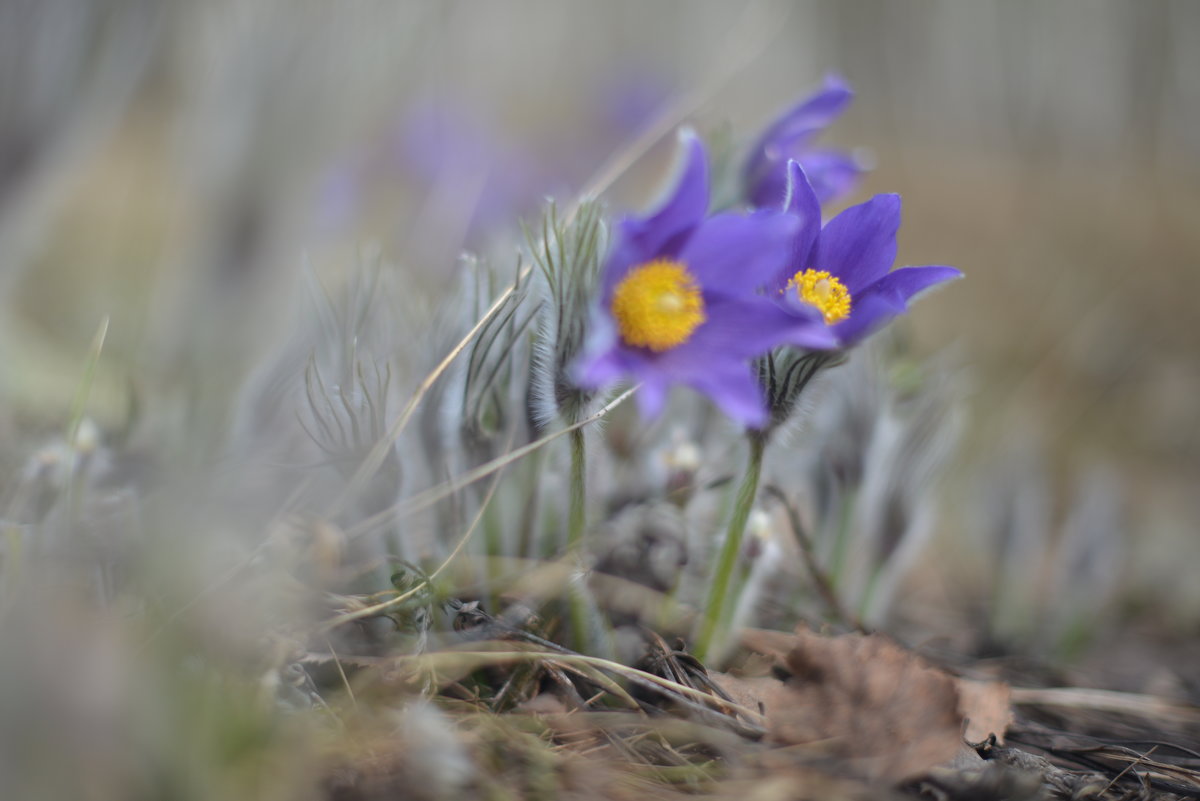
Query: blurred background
x=182 y=170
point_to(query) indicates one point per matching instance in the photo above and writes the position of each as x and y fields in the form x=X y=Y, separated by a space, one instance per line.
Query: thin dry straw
x=422 y=662
x=341 y=672
x=1151 y=706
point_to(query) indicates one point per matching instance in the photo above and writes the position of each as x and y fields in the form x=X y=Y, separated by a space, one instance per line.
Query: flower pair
x=690 y=299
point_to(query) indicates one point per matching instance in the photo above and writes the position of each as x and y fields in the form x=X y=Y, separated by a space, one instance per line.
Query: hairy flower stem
x=576 y=510
x=576 y=522
x=717 y=601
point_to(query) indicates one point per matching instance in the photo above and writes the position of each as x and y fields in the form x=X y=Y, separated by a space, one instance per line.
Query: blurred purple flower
x=680 y=300
x=630 y=99
x=841 y=274
x=831 y=172
x=470 y=174
x=339 y=195
x=444 y=145
x=455 y=157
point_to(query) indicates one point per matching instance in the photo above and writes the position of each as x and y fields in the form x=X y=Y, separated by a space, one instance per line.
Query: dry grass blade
x=1117 y=762
x=1181 y=779
x=1133 y=764
x=597 y=677
x=639 y=677
x=341 y=673
x=453 y=662
x=1107 y=701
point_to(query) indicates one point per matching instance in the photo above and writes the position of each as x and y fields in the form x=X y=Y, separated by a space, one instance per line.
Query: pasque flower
x=841 y=273
x=831 y=172
x=681 y=300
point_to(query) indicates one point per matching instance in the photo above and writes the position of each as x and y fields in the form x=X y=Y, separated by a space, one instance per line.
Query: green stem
x=526 y=531
x=717 y=602
x=576 y=522
x=576 y=510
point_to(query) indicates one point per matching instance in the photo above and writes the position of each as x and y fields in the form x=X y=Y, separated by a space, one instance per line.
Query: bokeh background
x=182 y=169
x=176 y=167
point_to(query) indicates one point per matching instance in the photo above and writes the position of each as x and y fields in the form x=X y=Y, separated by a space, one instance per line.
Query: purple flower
x=630 y=98
x=680 y=300
x=831 y=172
x=450 y=149
x=841 y=274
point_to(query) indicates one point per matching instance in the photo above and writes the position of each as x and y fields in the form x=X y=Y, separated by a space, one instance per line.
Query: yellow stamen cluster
x=827 y=293
x=658 y=305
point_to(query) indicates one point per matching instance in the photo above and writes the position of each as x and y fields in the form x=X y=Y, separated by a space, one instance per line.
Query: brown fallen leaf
x=882 y=712
x=986 y=706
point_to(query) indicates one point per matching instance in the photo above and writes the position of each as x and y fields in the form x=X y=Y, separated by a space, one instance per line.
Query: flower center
x=658 y=305
x=819 y=288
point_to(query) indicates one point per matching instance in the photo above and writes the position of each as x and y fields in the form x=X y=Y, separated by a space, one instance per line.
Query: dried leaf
x=986 y=707
x=863 y=700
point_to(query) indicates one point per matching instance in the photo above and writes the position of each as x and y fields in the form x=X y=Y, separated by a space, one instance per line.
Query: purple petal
x=734 y=389
x=662 y=234
x=749 y=329
x=735 y=255
x=684 y=208
x=822 y=107
x=600 y=370
x=768 y=188
x=788 y=143
x=602 y=362
x=809 y=115
x=869 y=314
x=803 y=204
x=652 y=396
x=788 y=137
x=904 y=284
x=812 y=334
x=832 y=173
x=735 y=330
x=859 y=245
x=624 y=254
